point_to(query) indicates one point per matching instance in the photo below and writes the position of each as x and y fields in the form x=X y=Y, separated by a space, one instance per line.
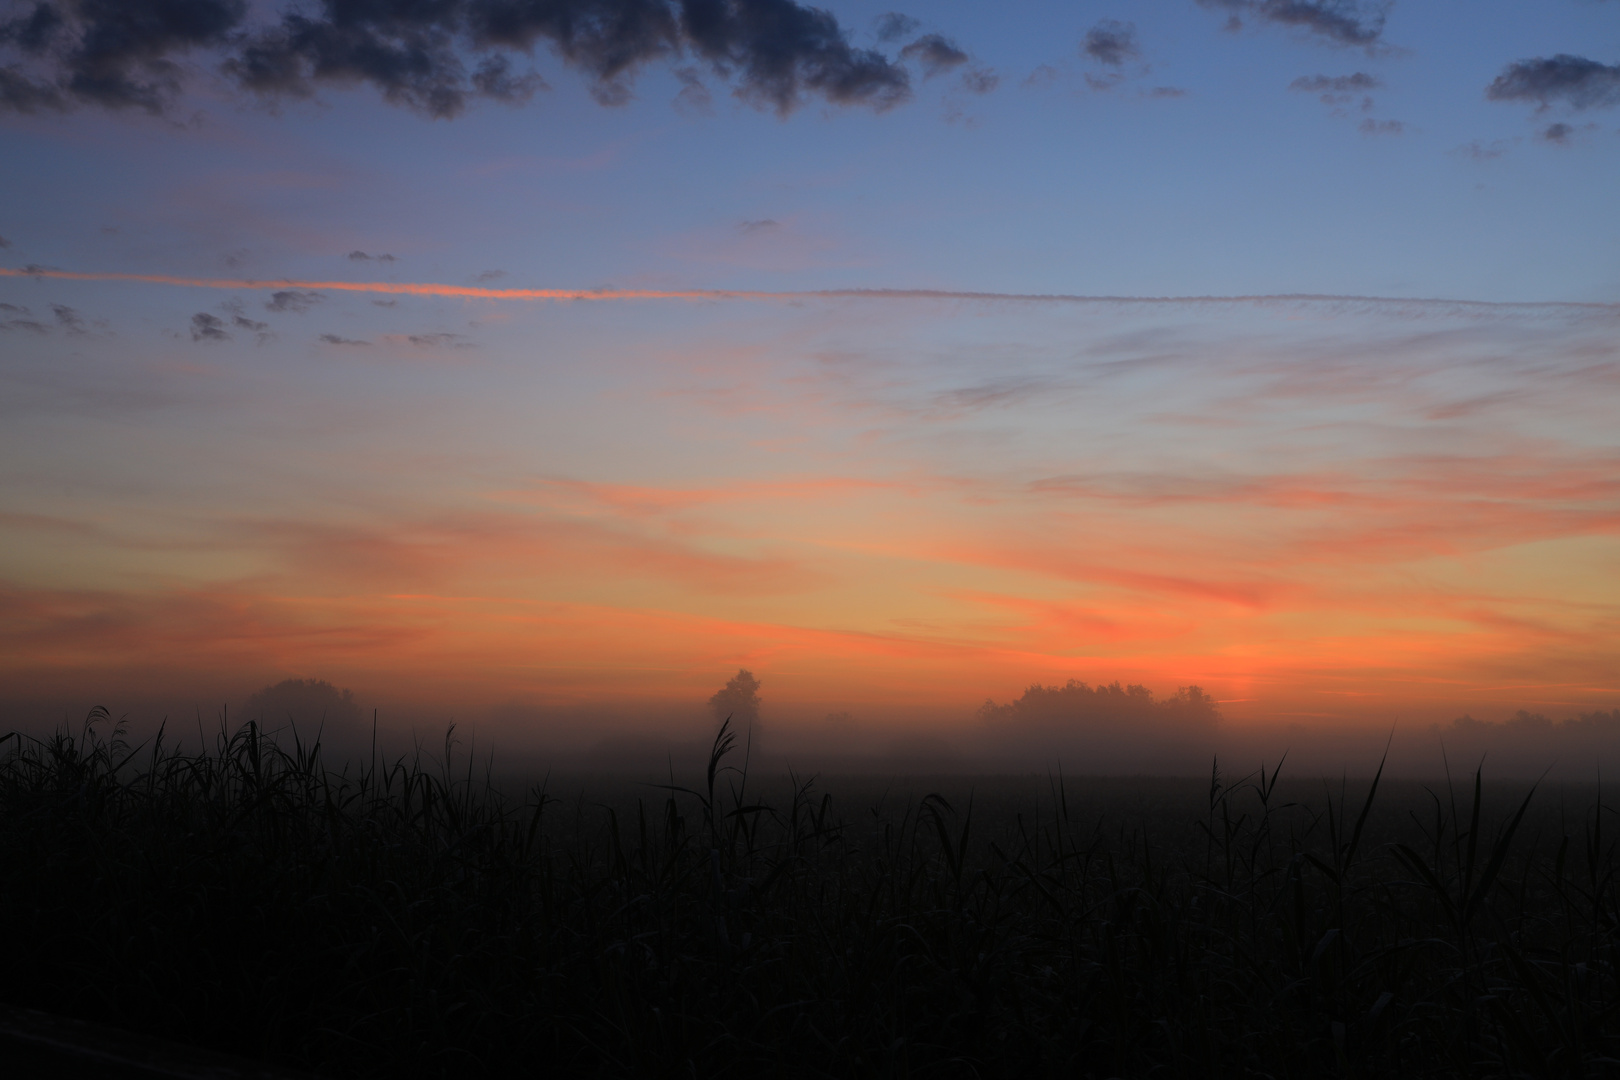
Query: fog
x=1077 y=729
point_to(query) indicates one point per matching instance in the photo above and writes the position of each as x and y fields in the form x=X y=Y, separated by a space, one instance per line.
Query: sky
x=497 y=354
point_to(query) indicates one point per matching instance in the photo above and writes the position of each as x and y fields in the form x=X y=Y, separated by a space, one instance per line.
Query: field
x=427 y=917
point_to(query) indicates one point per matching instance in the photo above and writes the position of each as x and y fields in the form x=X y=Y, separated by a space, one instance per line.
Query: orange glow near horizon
x=1313 y=516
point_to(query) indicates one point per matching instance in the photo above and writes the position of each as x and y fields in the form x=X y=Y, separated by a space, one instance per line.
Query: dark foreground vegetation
x=410 y=919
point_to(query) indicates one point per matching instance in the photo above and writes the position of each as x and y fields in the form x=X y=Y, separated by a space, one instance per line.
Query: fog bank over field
x=1079 y=728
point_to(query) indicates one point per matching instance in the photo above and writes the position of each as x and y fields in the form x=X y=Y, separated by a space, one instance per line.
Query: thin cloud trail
x=476 y=292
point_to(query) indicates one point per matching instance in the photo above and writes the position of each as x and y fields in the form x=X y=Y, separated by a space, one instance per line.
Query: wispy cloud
x=1571 y=80
x=1111 y=42
x=297 y=295
x=935 y=54
x=206 y=327
x=948 y=499
x=296 y=301
x=1343 y=22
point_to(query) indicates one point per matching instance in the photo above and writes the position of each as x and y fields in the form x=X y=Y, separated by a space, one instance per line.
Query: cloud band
x=479 y=292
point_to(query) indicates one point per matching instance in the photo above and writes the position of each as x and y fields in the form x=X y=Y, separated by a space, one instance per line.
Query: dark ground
x=415 y=921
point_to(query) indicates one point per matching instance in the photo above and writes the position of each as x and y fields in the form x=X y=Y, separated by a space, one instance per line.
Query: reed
x=415 y=918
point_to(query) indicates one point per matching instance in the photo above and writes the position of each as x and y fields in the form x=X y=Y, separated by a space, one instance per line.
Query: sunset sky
x=480 y=353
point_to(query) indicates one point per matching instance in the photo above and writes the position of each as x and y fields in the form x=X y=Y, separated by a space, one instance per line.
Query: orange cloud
x=481 y=293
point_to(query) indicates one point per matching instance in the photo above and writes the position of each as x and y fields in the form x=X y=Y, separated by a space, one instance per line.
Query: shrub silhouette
x=738 y=701
x=307 y=704
x=1077 y=708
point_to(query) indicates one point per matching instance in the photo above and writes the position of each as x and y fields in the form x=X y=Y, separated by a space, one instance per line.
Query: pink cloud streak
x=476 y=292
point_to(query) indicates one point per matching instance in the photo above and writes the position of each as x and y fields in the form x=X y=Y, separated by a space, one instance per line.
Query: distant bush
x=307 y=703
x=1588 y=740
x=1105 y=727
x=1076 y=706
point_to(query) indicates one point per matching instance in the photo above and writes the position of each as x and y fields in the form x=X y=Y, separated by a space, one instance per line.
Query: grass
x=413 y=918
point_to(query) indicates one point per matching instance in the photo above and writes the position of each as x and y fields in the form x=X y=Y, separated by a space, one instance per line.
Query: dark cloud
x=782 y=51
x=68 y=319
x=775 y=50
x=489 y=275
x=405 y=49
x=1573 y=80
x=761 y=225
x=438 y=341
x=361 y=256
x=1165 y=92
x=1557 y=133
x=252 y=326
x=27 y=324
x=1341 y=22
x=934 y=54
x=112 y=53
x=1042 y=76
x=894 y=26
x=206 y=327
x=1347 y=22
x=4 y=243
x=495 y=79
x=333 y=339
x=1359 y=83
x=20 y=94
x=1339 y=91
x=296 y=301
x=694 y=98
x=980 y=80
x=1111 y=42
x=430 y=55
x=34 y=32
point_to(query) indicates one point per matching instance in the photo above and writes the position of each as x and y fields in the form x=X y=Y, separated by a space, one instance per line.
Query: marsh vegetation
x=423 y=917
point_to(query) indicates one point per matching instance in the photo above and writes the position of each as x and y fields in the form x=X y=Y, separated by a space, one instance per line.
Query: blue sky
x=1241 y=186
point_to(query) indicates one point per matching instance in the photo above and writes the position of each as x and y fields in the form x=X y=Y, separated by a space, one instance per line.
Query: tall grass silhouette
x=414 y=918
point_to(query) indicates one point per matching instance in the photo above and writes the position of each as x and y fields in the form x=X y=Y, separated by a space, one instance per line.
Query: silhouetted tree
x=1526 y=738
x=1597 y=723
x=1076 y=708
x=1529 y=723
x=1103 y=728
x=308 y=704
x=738 y=701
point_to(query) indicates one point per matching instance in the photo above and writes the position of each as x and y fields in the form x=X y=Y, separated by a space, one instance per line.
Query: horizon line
x=610 y=293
